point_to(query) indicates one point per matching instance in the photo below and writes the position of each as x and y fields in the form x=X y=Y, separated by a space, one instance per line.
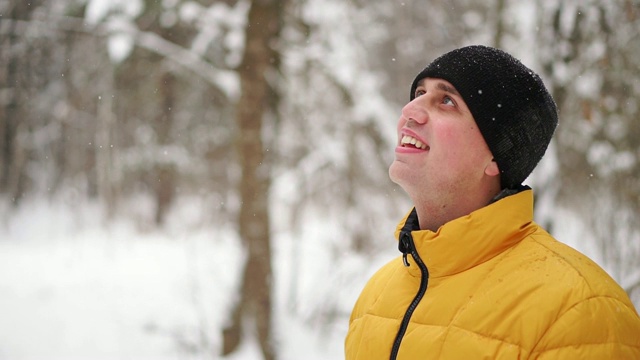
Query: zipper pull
x=404 y=260
x=405 y=245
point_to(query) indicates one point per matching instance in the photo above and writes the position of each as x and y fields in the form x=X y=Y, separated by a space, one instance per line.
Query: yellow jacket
x=497 y=287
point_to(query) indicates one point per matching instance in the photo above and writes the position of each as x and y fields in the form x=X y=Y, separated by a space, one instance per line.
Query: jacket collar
x=470 y=240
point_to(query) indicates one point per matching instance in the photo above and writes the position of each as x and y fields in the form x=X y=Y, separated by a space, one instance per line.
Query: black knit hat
x=514 y=111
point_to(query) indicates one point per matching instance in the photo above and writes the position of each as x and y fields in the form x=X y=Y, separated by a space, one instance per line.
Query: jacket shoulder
x=580 y=275
x=593 y=317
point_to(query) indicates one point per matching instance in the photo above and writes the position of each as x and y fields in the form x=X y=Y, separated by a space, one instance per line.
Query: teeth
x=406 y=139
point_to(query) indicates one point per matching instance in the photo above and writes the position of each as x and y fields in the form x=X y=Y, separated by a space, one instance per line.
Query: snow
x=189 y=11
x=607 y=160
x=215 y=21
x=98 y=10
x=117 y=15
x=119 y=47
x=76 y=286
x=588 y=84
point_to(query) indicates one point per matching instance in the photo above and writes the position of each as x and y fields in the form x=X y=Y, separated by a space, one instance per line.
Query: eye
x=448 y=101
x=419 y=92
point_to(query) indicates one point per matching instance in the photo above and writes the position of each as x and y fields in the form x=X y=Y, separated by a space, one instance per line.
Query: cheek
x=452 y=137
x=463 y=142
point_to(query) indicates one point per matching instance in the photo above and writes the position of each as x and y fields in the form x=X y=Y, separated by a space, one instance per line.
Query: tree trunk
x=500 y=24
x=256 y=101
x=13 y=120
x=104 y=152
x=165 y=171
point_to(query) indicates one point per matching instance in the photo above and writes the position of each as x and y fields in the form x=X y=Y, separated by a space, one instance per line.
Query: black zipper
x=407 y=246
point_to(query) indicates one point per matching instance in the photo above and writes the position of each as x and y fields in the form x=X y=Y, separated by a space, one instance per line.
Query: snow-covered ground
x=73 y=286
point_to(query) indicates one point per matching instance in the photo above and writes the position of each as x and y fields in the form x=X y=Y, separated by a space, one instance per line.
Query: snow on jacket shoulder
x=499 y=287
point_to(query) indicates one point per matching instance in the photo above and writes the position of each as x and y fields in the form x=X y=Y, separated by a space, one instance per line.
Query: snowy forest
x=207 y=179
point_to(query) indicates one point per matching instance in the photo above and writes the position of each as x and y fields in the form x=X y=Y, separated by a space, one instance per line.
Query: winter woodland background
x=202 y=179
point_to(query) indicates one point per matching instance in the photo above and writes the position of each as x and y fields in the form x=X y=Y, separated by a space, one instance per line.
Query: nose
x=415 y=111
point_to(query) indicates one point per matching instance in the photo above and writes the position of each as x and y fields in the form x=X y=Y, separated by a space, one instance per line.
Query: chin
x=393 y=171
x=398 y=172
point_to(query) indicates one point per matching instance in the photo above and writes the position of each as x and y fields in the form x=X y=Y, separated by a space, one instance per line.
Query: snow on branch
x=223 y=80
x=226 y=81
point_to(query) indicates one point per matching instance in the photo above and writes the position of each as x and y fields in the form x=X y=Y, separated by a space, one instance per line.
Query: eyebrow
x=446 y=88
x=442 y=86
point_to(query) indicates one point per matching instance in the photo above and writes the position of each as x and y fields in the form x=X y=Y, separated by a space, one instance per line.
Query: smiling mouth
x=408 y=141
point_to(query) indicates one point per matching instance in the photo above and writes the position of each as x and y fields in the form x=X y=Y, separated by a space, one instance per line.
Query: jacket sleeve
x=595 y=328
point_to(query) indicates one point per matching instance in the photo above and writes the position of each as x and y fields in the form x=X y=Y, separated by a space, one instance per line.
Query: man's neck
x=433 y=216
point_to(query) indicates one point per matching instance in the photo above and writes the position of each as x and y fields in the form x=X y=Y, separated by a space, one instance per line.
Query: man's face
x=440 y=152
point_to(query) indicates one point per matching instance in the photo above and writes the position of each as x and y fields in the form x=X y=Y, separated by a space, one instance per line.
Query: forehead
x=439 y=84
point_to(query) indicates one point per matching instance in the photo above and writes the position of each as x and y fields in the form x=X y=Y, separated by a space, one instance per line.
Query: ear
x=492 y=168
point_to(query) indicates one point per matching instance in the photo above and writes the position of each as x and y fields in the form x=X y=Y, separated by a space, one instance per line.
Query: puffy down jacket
x=491 y=285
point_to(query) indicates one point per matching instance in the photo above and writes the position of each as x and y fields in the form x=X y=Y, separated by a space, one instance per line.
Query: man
x=478 y=278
